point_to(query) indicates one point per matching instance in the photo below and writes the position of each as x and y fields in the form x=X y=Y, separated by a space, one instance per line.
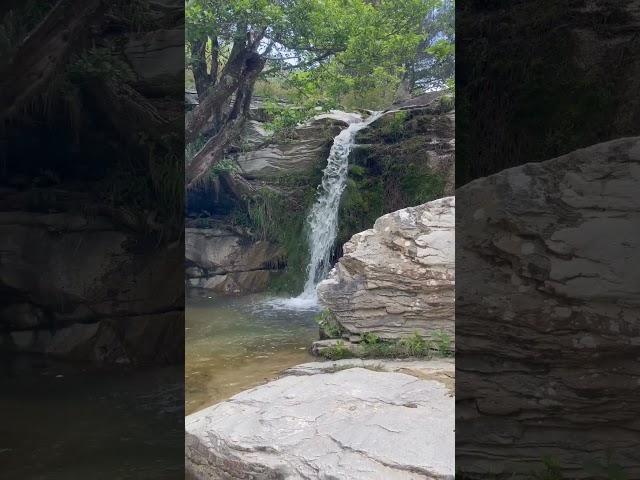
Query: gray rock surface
x=397 y=278
x=548 y=314
x=347 y=420
x=103 y=300
x=224 y=261
x=307 y=149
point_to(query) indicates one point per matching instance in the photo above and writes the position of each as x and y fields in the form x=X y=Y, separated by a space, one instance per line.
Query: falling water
x=323 y=219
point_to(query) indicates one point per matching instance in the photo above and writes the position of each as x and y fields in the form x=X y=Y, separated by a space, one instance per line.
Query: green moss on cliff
x=391 y=169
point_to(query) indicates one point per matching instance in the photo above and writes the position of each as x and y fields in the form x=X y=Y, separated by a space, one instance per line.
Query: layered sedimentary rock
x=548 y=315
x=397 y=278
x=305 y=150
x=351 y=420
x=104 y=297
x=419 y=133
x=224 y=261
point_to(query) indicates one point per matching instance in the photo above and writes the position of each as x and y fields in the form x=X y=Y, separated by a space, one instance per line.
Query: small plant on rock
x=370 y=338
x=337 y=351
x=442 y=342
x=415 y=346
x=328 y=324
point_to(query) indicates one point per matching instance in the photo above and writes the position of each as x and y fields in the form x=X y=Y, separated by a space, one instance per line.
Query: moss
x=392 y=128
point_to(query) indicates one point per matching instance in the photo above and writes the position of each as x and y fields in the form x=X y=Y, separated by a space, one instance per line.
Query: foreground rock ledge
x=358 y=420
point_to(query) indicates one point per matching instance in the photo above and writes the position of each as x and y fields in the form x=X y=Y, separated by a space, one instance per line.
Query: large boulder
x=351 y=420
x=225 y=261
x=547 y=315
x=397 y=278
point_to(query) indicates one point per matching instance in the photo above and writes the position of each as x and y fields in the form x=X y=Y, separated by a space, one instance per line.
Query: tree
x=336 y=44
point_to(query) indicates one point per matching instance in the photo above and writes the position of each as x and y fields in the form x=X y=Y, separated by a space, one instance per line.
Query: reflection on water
x=235 y=343
x=61 y=422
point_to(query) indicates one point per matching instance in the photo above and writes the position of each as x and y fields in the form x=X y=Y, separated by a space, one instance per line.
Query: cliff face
x=90 y=190
x=397 y=278
x=547 y=317
x=573 y=86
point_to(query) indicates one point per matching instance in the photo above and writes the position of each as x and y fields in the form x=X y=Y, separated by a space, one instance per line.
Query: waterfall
x=323 y=218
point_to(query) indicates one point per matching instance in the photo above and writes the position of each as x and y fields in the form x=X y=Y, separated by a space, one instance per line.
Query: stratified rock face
x=547 y=314
x=307 y=149
x=103 y=298
x=397 y=278
x=347 y=424
x=224 y=261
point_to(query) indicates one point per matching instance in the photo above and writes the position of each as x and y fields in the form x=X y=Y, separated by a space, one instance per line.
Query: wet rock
x=352 y=420
x=397 y=278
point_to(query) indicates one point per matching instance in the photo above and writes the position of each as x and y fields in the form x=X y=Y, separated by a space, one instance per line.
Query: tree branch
x=317 y=59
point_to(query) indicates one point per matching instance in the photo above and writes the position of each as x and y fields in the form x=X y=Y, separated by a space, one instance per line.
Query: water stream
x=323 y=218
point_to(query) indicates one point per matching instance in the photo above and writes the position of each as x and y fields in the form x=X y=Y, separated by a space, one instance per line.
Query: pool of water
x=235 y=343
x=64 y=421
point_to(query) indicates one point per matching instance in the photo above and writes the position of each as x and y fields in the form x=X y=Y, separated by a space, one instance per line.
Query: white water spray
x=323 y=219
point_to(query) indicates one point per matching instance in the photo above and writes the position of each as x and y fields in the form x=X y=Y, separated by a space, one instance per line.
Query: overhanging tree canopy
x=341 y=44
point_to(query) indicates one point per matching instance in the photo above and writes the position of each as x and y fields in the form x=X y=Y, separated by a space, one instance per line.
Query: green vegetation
x=442 y=342
x=312 y=54
x=284 y=118
x=328 y=324
x=270 y=215
x=372 y=346
x=224 y=166
x=389 y=171
x=393 y=128
x=607 y=469
x=337 y=352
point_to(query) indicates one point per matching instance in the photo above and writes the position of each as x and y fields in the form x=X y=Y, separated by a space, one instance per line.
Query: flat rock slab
x=331 y=420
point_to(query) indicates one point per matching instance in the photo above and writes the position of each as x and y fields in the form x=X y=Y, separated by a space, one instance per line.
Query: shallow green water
x=235 y=343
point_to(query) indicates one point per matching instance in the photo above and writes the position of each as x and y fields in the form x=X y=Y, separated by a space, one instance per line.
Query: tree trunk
x=199 y=67
x=43 y=52
x=230 y=126
x=215 y=62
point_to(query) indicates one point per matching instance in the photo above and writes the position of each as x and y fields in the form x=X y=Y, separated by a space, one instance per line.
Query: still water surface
x=235 y=343
x=62 y=421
